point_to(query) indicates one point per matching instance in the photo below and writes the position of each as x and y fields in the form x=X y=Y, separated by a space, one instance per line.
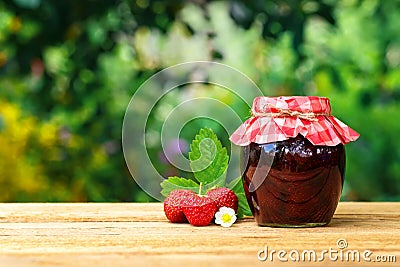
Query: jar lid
x=280 y=118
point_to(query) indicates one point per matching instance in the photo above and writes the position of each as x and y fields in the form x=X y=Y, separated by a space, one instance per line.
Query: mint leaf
x=208 y=159
x=175 y=182
x=236 y=186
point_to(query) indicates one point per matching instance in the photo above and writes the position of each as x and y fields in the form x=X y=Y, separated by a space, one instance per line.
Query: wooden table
x=133 y=234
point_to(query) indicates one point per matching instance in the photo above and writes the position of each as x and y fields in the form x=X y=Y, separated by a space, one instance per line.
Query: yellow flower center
x=226 y=218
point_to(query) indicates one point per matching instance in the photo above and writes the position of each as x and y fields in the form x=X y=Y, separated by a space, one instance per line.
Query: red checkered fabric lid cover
x=279 y=118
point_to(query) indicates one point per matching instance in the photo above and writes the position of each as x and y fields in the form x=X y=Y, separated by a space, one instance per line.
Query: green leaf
x=243 y=207
x=236 y=186
x=208 y=159
x=219 y=182
x=32 y=4
x=174 y=182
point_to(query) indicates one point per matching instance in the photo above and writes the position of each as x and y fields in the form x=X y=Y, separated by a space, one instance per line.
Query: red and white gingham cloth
x=272 y=122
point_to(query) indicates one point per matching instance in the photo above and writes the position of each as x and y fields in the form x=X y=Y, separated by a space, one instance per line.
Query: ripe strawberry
x=224 y=197
x=173 y=205
x=199 y=210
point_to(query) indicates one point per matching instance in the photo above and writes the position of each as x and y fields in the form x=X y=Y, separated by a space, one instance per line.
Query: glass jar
x=293 y=160
x=302 y=186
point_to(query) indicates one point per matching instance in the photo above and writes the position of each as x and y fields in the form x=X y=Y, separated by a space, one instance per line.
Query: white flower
x=225 y=217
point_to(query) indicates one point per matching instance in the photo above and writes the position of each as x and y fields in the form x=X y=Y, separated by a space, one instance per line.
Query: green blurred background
x=69 y=68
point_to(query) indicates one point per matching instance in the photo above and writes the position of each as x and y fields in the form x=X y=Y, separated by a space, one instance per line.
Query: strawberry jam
x=293 y=183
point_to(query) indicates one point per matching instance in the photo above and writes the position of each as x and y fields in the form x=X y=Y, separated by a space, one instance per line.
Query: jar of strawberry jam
x=293 y=160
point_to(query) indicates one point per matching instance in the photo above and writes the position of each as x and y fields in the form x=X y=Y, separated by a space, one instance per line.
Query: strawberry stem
x=200 y=189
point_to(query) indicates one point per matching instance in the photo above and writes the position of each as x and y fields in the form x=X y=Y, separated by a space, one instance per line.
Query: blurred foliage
x=69 y=68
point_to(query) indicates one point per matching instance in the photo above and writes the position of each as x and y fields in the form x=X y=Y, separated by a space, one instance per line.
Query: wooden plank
x=133 y=234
